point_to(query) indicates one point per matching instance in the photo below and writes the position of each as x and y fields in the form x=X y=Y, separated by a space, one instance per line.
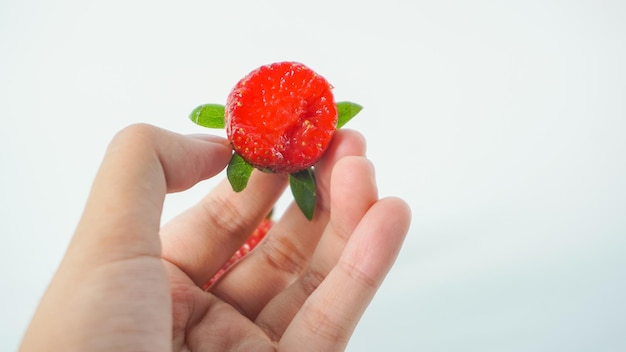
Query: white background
x=502 y=124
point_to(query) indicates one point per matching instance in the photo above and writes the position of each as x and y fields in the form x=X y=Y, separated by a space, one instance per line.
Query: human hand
x=127 y=284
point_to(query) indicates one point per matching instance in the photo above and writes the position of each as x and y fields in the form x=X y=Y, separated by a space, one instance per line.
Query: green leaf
x=208 y=115
x=346 y=111
x=302 y=184
x=238 y=172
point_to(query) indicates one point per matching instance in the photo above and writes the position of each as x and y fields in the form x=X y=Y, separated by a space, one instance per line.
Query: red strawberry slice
x=281 y=117
x=252 y=241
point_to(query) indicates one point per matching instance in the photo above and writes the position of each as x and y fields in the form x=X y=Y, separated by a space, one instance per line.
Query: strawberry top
x=281 y=117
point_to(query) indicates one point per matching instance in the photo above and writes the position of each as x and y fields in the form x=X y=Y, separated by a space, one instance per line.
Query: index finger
x=143 y=163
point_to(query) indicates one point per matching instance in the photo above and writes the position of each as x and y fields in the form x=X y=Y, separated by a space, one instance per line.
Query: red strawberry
x=252 y=241
x=281 y=117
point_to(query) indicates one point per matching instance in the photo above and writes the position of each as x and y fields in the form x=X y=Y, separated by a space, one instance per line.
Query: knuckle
x=138 y=136
x=323 y=323
x=282 y=254
x=359 y=276
x=340 y=231
x=226 y=219
x=311 y=280
x=135 y=131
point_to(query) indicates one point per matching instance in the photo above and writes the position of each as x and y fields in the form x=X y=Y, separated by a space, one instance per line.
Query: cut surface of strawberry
x=281 y=117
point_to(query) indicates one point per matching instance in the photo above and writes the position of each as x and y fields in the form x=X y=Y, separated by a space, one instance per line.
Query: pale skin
x=128 y=284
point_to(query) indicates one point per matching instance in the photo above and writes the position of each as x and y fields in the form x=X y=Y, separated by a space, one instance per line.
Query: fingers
x=142 y=163
x=288 y=246
x=327 y=319
x=354 y=191
x=200 y=240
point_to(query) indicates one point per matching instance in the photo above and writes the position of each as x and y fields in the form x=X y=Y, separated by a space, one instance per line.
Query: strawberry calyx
x=302 y=185
x=238 y=172
x=208 y=115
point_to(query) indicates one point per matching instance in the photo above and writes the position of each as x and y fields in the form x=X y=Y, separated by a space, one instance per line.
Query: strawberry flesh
x=281 y=117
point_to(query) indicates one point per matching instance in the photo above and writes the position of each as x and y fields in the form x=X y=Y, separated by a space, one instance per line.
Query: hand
x=125 y=284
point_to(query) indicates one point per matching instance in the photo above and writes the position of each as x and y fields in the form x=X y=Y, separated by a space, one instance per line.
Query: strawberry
x=279 y=118
x=257 y=235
